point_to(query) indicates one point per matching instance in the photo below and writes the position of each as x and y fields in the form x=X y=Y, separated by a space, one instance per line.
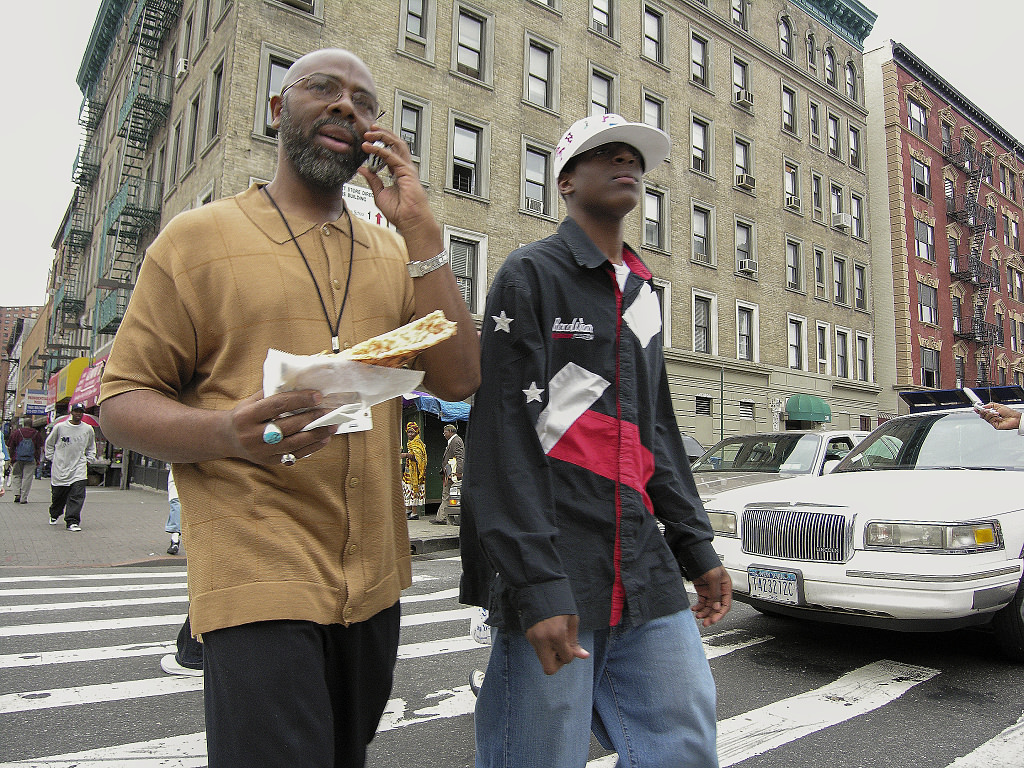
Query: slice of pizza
x=400 y=346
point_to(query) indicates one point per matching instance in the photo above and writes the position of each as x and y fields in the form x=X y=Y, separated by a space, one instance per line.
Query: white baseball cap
x=590 y=132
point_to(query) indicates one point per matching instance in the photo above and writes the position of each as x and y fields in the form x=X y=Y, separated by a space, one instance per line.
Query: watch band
x=425 y=267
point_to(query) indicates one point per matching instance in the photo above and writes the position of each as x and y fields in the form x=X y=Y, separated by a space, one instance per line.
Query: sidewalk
x=125 y=528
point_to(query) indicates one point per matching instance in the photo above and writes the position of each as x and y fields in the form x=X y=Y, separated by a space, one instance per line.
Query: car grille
x=795 y=535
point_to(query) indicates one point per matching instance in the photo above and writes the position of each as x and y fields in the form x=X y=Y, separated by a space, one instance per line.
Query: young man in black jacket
x=573 y=458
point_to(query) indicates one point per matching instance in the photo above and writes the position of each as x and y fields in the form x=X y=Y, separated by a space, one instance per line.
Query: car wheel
x=1009 y=626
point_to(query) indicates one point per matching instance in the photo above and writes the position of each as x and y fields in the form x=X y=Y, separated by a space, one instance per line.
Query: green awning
x=807 y=408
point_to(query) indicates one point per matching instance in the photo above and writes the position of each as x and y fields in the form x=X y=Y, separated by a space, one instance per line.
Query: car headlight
x=932 y=537
x=722 y=523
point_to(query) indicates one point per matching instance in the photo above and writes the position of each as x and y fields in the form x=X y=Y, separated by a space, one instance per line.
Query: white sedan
x=919 y=528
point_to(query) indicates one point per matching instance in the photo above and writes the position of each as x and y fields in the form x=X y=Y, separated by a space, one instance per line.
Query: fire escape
x=967 y=210
x=135 y=208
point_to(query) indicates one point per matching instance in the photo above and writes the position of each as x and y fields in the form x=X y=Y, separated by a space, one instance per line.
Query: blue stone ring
x=272 y=434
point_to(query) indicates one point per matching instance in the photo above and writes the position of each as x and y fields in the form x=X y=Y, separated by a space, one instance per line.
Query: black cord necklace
x=336 y=327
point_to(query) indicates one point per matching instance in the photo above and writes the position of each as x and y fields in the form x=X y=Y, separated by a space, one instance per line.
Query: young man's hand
x=714 y=596
x=555 y=642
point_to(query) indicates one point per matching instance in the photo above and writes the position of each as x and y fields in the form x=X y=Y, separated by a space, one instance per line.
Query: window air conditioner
x=749 y=266
x=745 y=181
x=534 y=206
x=181 y=67
x=743 y=98
x=842 y=220
x=792 y=201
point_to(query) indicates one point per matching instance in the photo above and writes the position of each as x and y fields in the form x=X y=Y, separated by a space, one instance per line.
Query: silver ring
x=288 y=459
x=272 y=433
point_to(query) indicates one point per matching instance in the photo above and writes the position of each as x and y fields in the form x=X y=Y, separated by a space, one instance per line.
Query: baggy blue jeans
x=646 y=691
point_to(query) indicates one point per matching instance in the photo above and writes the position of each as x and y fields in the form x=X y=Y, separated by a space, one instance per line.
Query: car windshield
x=792 y=454
x=936 y=440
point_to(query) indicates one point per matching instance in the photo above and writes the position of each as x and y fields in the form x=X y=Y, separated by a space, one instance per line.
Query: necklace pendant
x=335 y=344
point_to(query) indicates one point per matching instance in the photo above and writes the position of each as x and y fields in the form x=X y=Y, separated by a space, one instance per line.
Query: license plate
x=775 y=585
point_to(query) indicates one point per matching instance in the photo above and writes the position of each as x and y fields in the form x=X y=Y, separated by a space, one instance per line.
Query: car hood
x=710 y=484
x=924 y=494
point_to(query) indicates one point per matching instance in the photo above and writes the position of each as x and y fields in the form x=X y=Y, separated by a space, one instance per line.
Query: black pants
x=68 y=500
x=190 y=650
x=281 y=694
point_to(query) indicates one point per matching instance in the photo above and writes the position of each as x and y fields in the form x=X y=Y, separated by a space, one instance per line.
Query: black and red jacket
x=573 y=453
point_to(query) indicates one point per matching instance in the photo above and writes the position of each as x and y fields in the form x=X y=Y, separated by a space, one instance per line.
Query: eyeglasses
x=328 y=89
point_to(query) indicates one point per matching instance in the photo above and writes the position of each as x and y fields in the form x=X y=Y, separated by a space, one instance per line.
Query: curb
x=439 y=544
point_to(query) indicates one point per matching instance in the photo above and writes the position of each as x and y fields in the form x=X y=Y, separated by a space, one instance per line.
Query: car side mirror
x=829 y=465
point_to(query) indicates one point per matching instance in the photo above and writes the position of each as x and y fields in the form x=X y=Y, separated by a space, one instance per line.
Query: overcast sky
x=970 y=44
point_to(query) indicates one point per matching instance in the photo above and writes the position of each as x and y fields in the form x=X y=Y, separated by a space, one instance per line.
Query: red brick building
x=950 y=185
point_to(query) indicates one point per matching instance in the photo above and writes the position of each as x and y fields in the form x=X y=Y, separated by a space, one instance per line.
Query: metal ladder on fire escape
x=135 y=208
x=979 y=221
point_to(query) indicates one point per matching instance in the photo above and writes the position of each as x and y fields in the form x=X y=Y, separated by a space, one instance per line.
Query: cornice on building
x=850 y=19
x=104 y=31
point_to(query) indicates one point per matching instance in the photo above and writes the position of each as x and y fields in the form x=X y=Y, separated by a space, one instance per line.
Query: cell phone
x=977 y=402
x=375 y=162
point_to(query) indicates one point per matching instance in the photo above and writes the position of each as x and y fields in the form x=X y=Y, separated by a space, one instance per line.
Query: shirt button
x=326 y=230
x=353 y=482
x=337 y=284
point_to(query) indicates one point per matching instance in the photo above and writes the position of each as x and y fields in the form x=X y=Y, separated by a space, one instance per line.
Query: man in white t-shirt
x=71 y=446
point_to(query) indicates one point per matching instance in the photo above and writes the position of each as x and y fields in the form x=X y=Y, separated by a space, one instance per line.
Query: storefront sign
x=87 y=391
x=35 y=402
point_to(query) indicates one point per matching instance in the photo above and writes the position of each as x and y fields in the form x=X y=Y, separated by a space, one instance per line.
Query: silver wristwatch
x=421 y=268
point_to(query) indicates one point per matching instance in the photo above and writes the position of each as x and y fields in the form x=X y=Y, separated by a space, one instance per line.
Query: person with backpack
x=24 y=445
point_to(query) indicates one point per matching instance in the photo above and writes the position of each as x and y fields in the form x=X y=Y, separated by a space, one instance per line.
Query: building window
x=468 y=253
x=924 y=238
x=855 y=154
x=837 y=199
x=468 y=158
x=699 y=135
x=193 y=131
x=820 y=276
x=216 y=85
x=1006 y=229
x=917 y=119
x=301 y=5
x=824 y=353
x=538 y=74
x=418 y=38
x=601 y=17
x=175 y=153
x=653 y=34
x=535 y=180
x=701 y=223
x=746 y=328
x=794 y=266
x=817 y=198
x=856 y=216
x=863 y=359
x=740 y=81
x=785 y=38
x=920 y=178
x=788 y=109
x=654 y=219
x=842 y=354
x=277 y=67
x=928 y=304
x=791 y=184
x=851 y=81
x=929 y=367
x=744 y=245
x=739 y=13
x=860 y=286
x=702 y=405
x=699 y=60
x=834 y=148
x=411 y=127
x=1014 y=235
x=797 y=343
x=469 y=48
x=741 y=157
x=654 y=111
x=814 y=121
x=702 y=319
x=600 y=93
x=746 y=409
x=839 y=293
x=416 y=19
x=186 y=37
x=830 y=68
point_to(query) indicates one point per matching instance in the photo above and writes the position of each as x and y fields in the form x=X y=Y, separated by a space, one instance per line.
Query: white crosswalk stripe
x=434 y=627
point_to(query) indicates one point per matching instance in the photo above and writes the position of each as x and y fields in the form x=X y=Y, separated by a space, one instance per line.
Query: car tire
x=1008 y=624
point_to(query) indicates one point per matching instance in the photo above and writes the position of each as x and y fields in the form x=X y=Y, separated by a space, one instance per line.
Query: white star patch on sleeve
x=533 y=393
x=502 y=322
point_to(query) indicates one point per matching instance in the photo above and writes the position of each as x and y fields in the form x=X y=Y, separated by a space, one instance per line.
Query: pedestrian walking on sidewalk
x=451 y=469
x=298 y=546
x=24 y=446
x=71 y=446
x=173 y=524
x=414 y=475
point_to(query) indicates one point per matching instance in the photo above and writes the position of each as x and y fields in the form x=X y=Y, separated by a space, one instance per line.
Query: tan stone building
x=756 y=228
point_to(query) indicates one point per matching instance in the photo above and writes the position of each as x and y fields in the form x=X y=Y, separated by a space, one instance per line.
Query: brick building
x=947 y=184
x=757 y=227
x=12 y=324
